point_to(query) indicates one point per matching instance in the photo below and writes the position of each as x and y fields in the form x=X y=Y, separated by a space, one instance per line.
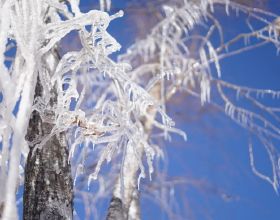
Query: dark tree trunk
x=48 y=183
x=48 y=188
x=116 y=210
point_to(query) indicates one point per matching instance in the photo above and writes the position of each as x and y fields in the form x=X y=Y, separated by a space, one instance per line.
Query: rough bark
x=48 y=183
x=120 y=209
x=48 y=190
x=116 y=210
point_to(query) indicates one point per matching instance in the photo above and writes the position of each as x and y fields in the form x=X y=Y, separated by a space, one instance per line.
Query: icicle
x=75 y=7
x=141 y=175
x=238 y=94
x=150 y=154
x=205 y=89
x=108 y=3
x=227 y=4
x=214 y=56
x=210 y=2
x=167 y=10
x=105 y=5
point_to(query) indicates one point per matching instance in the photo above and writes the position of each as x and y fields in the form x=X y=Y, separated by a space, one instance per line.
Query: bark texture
x=119 y=211
x=124 y=204
x=116 y=210
x=48 y=189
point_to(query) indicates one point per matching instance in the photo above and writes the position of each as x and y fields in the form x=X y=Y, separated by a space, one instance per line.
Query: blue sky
x=216 y=152
x=215 y=157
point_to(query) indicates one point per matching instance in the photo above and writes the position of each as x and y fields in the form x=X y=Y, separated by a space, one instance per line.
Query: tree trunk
x=125 y=202
x=118 y=211
x=48 y=188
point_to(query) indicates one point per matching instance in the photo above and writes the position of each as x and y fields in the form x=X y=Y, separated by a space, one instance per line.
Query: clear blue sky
x=216 y=154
